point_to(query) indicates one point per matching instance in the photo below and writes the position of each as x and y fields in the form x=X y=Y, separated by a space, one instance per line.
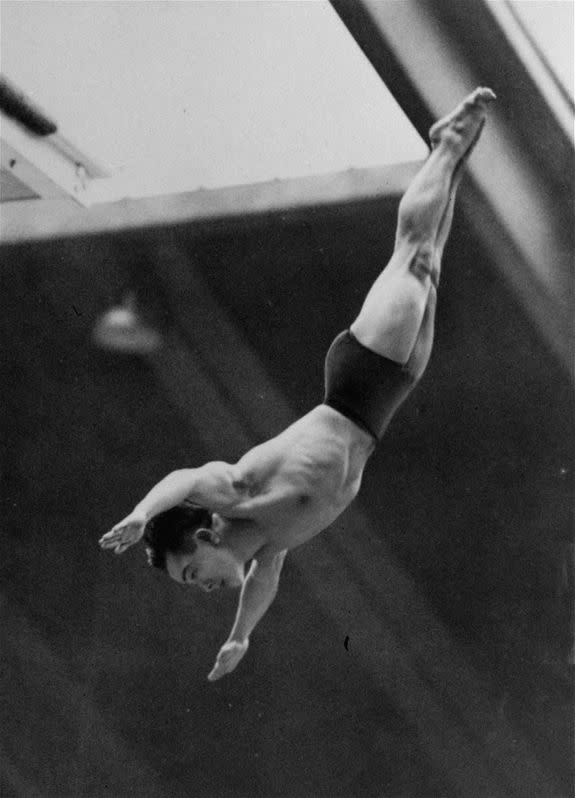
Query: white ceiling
x=170 y=96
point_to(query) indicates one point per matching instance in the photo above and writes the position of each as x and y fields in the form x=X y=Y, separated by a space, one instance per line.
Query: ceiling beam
x=22 y=221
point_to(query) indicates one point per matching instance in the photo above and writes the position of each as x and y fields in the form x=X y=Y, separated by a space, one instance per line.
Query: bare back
x=297 y=483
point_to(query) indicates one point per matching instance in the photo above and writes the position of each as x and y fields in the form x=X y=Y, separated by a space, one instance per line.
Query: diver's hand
x=124 y=534
x=230 y=654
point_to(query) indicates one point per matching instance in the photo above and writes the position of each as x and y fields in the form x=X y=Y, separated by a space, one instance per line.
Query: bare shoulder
x=256 y=466
x=242 y=480
x=220 y=484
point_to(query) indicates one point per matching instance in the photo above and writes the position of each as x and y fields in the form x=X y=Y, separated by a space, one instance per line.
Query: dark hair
x=172 y=531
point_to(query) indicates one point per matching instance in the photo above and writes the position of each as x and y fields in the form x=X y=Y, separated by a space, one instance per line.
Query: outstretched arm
x=258 y=591
x=214 y=486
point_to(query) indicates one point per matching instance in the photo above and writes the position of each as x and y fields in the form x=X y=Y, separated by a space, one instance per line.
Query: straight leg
x=399 y=306
x=421 y=352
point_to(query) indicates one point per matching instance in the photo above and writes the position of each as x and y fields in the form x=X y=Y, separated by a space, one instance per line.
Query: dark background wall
x=460 y=563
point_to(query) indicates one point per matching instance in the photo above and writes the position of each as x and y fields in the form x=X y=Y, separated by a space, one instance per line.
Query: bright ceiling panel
x=171 y=96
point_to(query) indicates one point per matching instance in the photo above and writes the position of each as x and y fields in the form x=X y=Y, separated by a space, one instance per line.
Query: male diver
x=203 y=525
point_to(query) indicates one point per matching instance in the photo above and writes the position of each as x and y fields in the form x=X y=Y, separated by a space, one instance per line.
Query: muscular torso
x=295 y=485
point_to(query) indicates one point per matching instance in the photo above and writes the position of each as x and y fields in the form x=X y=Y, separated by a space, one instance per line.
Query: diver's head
x=187 y=543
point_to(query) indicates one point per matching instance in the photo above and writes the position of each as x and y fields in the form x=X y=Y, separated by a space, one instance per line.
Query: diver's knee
x=423 y=264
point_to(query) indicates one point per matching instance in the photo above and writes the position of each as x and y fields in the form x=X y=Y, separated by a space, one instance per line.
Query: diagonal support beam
x=520 y=195
x=48 y=170
x=36 y=155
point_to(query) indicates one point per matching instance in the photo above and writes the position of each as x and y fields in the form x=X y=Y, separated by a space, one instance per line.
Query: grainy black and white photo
x=286 y=376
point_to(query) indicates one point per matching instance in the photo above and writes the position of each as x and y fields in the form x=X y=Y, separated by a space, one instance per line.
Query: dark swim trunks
x=364 y=386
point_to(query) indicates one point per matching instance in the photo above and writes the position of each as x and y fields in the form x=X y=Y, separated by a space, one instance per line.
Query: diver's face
x=209 y=567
